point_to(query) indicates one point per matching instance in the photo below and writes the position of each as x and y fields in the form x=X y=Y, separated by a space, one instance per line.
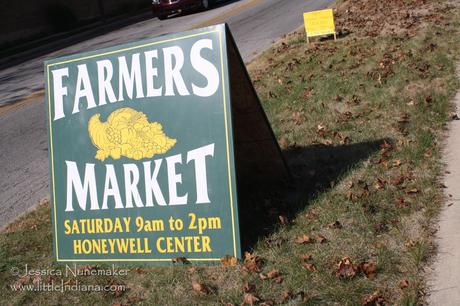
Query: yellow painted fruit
x=128 y=133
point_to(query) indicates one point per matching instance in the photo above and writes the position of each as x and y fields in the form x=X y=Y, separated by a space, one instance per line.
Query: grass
x=361 y=122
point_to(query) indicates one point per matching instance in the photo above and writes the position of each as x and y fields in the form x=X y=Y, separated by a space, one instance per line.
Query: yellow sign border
x=230 y=186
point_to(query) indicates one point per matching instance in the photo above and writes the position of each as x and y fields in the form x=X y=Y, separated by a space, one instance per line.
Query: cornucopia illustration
x=128 y=133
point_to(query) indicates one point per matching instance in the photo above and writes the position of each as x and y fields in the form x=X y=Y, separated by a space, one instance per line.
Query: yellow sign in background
x=319 y=23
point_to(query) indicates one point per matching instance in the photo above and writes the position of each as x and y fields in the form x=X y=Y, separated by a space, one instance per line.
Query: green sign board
x=145 y=149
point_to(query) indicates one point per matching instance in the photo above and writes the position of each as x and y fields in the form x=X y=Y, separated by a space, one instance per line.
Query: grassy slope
x=361 y=121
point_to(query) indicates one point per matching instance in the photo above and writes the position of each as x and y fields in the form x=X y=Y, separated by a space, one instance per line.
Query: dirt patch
x=414 y=89
x=375 y=17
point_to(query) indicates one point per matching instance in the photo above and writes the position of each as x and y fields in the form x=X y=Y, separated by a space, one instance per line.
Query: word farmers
x=136 y=76
x=84 y=186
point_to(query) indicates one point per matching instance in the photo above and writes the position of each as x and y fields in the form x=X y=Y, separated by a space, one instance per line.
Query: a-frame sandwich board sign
x=150 y=143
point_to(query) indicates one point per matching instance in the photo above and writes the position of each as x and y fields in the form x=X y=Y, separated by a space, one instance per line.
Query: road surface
x=24 y=179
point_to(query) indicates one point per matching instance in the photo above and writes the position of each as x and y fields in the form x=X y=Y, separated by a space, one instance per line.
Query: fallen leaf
x=200 y=288
x=365 y=193
x=229 y=261
x=252 y=262
x=409 y=243
x=379 y=184
x=275 y=242
x=384 y=163
x=350 y=196
x=305 y=257
x=310 y=267
x=369 y=269
x=135 y=299
x=297 y=117
x=386 y=146
x=248 y=287
x=400 y=202
x=267 y=303
x=346 y=268
x=36 y=279
x=250 y=299
x=321 y=239
x=273 y=274
x=22 y=281
x=397 y=180
x=321 y=130
x=412 y=191
x=380 y=227
x=404 y=283
x=283 y=220
x=285 y=295
x=284 y=143
x=303 y=239
x=181 y=260
x=336 y=225
x=307 y=93
x=140 y=270
x=311 y=215
x=354 y=100
x=375 y=299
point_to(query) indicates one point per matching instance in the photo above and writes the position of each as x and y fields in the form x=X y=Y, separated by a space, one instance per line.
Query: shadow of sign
x=315 y=169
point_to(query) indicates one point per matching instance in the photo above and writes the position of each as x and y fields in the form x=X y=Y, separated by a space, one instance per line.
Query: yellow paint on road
x=24 y=101
x=227 y=14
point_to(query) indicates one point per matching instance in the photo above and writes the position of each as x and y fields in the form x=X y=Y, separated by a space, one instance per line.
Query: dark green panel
x=109 y=143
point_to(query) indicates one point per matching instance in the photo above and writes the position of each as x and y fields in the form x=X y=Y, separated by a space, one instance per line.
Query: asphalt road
x=24 y=179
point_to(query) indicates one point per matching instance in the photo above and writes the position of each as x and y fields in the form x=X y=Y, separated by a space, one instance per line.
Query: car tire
x=162 y=16
x=205 y=4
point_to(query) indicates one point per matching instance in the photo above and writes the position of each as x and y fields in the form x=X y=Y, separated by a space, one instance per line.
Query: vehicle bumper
x=169 y=8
